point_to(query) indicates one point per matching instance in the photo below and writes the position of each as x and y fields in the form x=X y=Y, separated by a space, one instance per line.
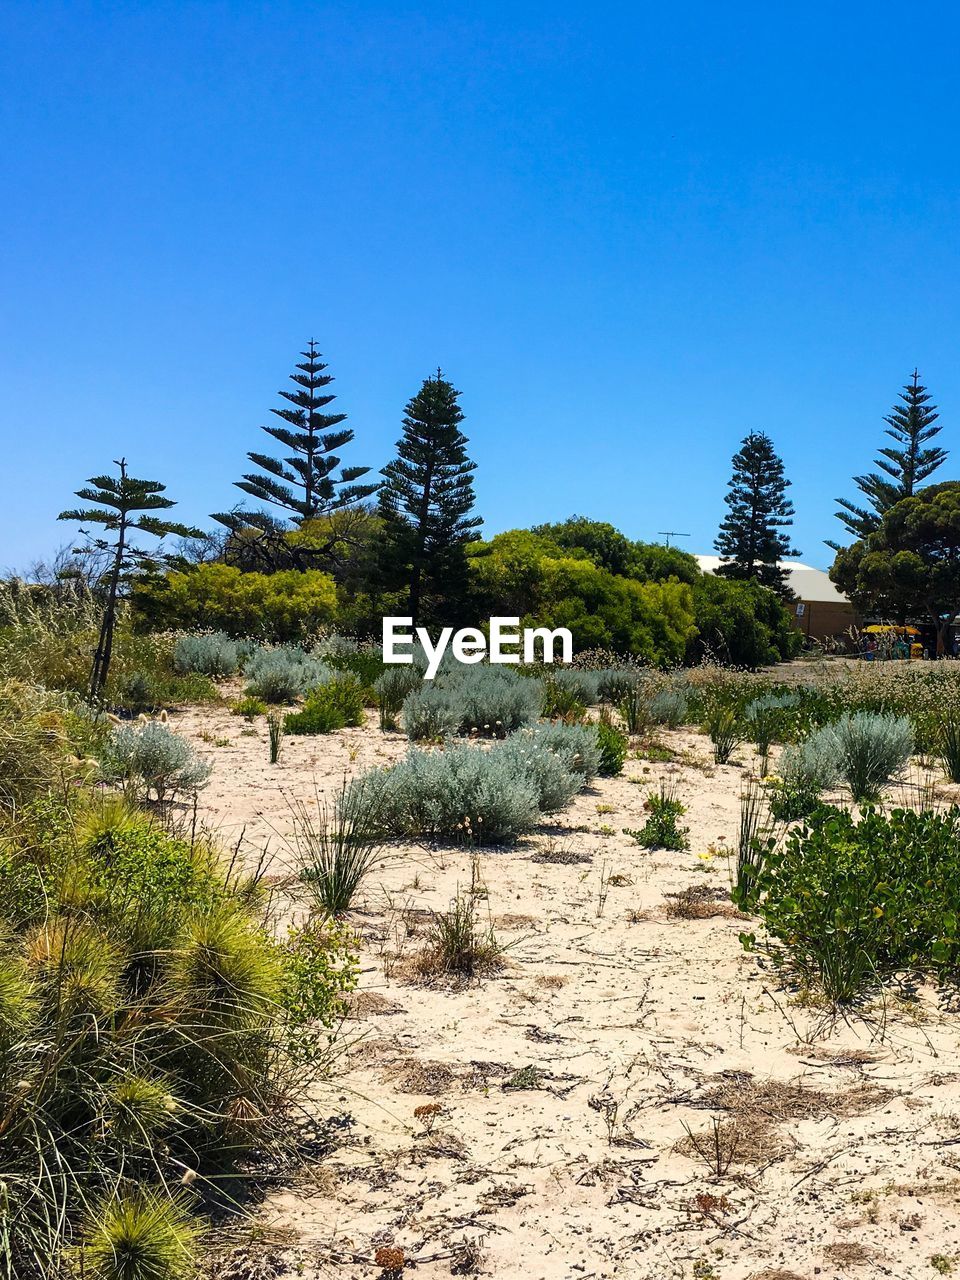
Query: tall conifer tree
x=752 y=539
x=905 y=465
x=425 y=504
x=305 y=484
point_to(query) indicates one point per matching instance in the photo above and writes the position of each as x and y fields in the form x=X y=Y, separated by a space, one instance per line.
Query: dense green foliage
x=850 y=903
x=752 y=538
x=910 y=565
x=283 y=606
x=425 y=506
x=905 y=465
x=151 y=1020
x=332 y=705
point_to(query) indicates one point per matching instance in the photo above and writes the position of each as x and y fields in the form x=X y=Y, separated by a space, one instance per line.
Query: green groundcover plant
x=849 y=904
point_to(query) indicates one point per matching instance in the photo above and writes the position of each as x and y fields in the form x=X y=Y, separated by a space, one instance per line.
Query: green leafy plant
x=330 y=706
x=249 y=708
x=849 y=903
x=613 y=745
x=661 y=829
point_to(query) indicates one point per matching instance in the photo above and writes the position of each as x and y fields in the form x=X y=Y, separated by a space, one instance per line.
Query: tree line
x=405 y=536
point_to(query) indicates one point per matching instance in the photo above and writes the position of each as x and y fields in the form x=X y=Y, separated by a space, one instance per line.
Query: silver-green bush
x=430 y=713
x=870 y=748
x=282 y=675
x=210 y=655
x=151 y=760
x=670 y=707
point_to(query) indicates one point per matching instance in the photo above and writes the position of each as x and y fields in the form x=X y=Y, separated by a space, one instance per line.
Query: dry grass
x=776 y=1101
x=740 y=1141
x=700 y=902
x=430 y=1078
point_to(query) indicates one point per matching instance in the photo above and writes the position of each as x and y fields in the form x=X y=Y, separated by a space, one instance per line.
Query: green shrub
x=330 y=706
x=214 y=654
x=249 y=708
x=282 y=675
x=741 y=624
x=850 y=903
x=139 y=1235
x=491 y=701
x=662 y=830
x=152 y=761
x=277 y=607
x=613 y=748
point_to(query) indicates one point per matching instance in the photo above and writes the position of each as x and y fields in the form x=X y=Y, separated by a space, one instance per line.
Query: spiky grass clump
x=150 y=1020
x=341 y=845
x=138 y=1235
x=391 y=688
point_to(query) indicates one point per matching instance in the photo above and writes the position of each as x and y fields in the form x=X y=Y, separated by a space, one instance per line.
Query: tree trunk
x=101 y=659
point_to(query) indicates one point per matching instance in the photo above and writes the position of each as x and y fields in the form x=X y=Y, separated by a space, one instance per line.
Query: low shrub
x=249 y=708
x=214 y=654
x=478 y=796
x=334 y=705
x=430 y=714
x=566 y=692
x=551 y=772
x=807 y=769
x=662 y=830
x=575 y=744
x=459 y=945
x=870 y=749
x=613 y=746
x=849 y=903
x=283 y=675
x=152 y=762
x=390 y=690
x=670 y=707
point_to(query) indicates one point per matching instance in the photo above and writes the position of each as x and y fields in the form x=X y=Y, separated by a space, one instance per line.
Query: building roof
x=804 y=581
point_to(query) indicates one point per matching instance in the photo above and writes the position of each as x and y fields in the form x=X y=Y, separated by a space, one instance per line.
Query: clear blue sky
x=629 y=233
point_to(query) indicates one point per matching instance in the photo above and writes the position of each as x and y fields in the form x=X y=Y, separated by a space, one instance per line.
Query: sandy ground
x=632 y=1094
